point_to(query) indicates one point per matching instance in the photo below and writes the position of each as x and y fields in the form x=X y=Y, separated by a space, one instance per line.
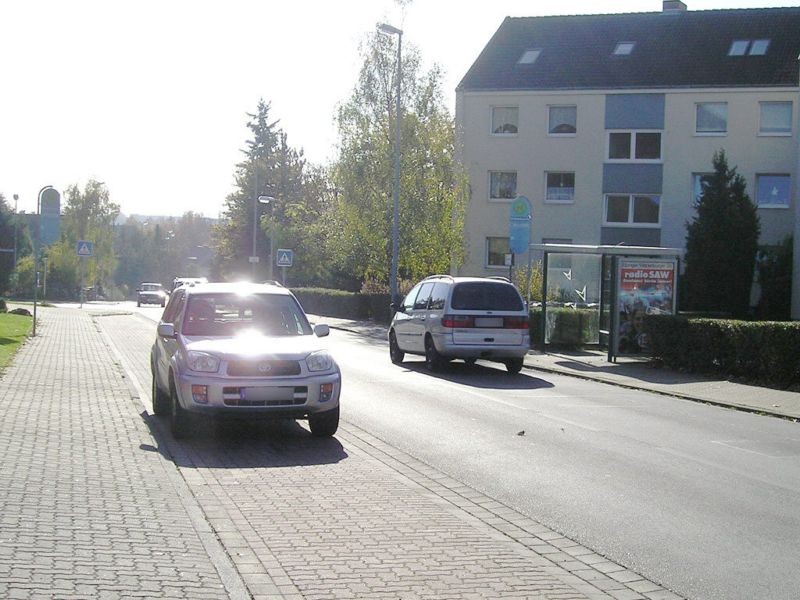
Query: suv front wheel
x=324 y=424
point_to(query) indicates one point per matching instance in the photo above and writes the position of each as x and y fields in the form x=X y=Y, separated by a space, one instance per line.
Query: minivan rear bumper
x=446 y=347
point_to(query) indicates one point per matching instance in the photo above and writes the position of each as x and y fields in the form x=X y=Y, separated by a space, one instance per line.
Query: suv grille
x=263 y=368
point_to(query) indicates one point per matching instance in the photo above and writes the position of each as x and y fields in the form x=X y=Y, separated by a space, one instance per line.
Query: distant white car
x=242 y=350
x=151 y=293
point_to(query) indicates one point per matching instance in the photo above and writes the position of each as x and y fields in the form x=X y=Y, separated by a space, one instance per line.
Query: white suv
x=446 y=317
x=242 y=350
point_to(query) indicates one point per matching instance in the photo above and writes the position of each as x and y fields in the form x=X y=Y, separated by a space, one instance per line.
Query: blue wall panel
x=635 y=111
x=624 y=178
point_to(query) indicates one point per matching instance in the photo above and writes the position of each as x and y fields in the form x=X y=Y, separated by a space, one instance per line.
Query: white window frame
x=630 y=223
x=709 y=133
x=551 y=107
x=787 y=133
x=549 y=200
x=632 y=149
x=516 y=186
x=491 y=122
x=773 y=206
x=486 y=251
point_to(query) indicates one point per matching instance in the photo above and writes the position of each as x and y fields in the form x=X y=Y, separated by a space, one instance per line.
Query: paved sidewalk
x=634 y=373
x=88 y=505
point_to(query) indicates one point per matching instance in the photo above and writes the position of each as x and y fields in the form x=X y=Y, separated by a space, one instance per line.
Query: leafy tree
x=88 y=215
x=431 y=212
x=721 y=244
x=271 y=168
x=7 y=218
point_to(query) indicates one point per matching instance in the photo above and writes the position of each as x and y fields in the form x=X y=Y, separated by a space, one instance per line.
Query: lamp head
x=387 y=29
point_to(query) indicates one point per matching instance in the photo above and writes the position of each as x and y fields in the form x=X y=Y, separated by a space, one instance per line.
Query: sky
x=151 y=97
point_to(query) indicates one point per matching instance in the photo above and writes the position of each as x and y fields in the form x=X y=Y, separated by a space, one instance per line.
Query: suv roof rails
x=500 y=278
x=272 y=282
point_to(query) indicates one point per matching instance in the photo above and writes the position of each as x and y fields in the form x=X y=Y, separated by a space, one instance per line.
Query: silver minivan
x=468 y=318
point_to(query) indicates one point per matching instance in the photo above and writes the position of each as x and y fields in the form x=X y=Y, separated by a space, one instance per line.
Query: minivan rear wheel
x=433 y=360
x=514 y=365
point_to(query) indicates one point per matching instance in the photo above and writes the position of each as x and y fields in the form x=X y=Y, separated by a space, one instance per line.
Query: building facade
x=608 y=124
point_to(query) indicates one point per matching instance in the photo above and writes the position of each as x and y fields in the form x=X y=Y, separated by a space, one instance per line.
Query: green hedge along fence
x=762 y=351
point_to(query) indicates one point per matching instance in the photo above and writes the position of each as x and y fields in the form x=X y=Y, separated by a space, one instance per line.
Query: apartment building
x=608 y=124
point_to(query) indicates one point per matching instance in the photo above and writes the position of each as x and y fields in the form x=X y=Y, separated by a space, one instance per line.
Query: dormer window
x=748 y=47
x=529 y=56
x=759 y=47
x=624 y=48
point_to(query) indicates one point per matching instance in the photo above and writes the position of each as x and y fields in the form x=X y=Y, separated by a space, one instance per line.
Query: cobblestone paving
x=87 y=508
x=353 y=518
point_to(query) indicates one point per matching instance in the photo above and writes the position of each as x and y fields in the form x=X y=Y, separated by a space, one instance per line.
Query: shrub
x=764 y=351
x=3 y=307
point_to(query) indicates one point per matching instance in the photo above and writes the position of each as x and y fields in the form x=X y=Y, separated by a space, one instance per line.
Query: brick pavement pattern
x=351 y=518
x=88 y=508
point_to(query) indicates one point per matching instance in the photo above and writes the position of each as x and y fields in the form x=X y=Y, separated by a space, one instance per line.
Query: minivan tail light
x=515 y=323
x=458 y=321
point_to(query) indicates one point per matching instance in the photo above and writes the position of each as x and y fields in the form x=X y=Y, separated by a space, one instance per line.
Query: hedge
x=763 y=351
x=344 y=305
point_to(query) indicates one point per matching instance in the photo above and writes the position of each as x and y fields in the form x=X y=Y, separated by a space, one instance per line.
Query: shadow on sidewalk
x=642 y=371
x=236 y=444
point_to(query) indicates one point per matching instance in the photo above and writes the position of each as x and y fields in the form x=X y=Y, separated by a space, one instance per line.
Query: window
x=759 y=47
x=632 y=210
x=624 y=48
x=408 y=301
x=634 y=145
x=776 y=118
x=496 y=250
x=563 y=120
x=755 y=47
x=699 y=183
x=529 y=56
x=502 y=185
x=421 y=302
x=505 y=119
x=438 y=296
x=739 y=48
x=773 y=191
x=560 y=187
x=712 y=118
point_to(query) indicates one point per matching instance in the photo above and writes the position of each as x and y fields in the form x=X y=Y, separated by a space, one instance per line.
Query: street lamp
x=254 y=257
x=16 y=218
x=389 y=30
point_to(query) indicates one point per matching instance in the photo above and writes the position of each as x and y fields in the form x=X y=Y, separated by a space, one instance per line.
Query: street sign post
x=284 y=258
x=519 y=228
x=84 y=249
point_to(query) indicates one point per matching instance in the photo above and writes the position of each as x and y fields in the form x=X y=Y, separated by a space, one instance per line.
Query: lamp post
x=254 y=257
x=389 y=30
x=37 y=244
x=16 y=218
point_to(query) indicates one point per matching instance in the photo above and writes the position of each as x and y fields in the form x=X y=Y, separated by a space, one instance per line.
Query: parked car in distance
x=445 y=318
x=151 y=293
x=179 y=281
x=242 y=350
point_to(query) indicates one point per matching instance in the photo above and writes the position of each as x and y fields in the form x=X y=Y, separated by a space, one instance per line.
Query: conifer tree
x=721 y=244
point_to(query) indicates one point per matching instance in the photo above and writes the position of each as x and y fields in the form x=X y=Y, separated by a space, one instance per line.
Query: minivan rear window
x=483 y=295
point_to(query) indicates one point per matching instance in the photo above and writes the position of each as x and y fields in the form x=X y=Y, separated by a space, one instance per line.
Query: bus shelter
x=600 y=294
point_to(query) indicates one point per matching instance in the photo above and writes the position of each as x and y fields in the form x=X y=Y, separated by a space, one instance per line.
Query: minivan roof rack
x=435 y=276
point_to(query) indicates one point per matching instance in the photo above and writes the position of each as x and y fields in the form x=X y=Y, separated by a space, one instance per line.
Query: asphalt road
x=700 y=499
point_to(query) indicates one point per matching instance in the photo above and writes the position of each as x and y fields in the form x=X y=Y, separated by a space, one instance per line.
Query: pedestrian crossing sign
x=84 y=248
x=284 y=257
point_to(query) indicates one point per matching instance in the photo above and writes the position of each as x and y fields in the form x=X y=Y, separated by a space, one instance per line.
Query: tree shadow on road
x=238 y=444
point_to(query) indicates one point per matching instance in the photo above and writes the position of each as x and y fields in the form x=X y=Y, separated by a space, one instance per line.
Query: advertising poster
x=645 y=287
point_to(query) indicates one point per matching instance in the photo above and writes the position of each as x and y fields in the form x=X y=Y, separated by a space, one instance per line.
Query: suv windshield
x=151 y=287
x=229 y=314
x=483 y=295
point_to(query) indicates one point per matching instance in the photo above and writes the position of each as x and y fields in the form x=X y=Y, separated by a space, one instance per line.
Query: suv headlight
x=202 y=362
x=319 y=361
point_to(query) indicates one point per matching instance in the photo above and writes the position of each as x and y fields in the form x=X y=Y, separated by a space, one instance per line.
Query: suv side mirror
x=397 y=307
x=321 y=330
x=166 y=330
